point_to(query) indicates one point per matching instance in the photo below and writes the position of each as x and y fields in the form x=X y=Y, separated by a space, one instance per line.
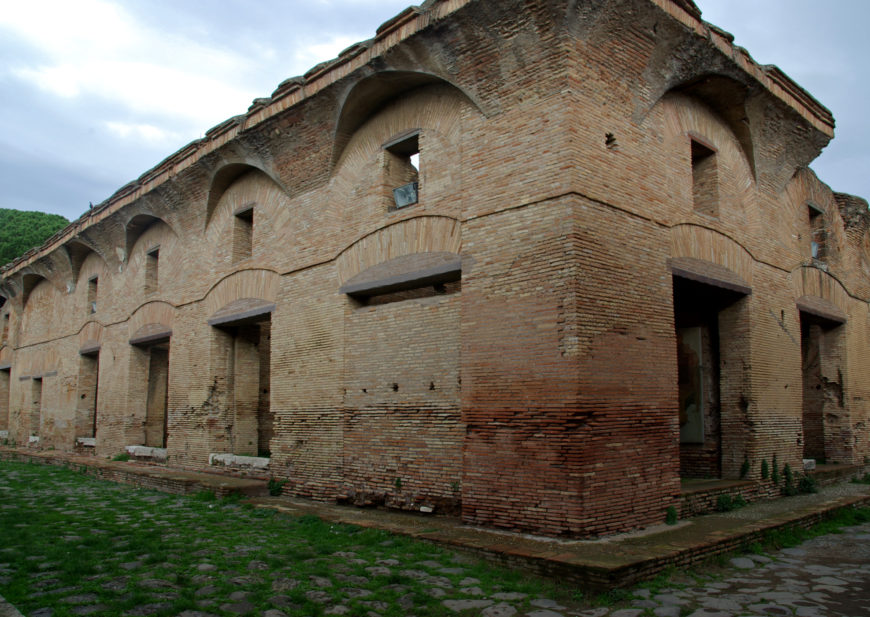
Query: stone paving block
x=501 y=609
x=464 y=605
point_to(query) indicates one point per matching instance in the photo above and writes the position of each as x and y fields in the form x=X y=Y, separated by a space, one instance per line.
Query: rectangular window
x=5 y=336
x=243 y=233
x=402 y=167
x=705 y=179
x=152 y=263
x=818 y=233
x=92 y=294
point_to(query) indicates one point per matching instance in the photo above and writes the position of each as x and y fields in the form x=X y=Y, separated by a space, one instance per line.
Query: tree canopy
x=21 y=231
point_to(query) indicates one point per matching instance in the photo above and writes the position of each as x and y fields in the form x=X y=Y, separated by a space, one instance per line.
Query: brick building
x=528 y=261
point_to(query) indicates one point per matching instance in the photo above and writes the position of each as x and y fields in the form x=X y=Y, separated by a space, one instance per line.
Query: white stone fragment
x=147 y=452
x=223 y=459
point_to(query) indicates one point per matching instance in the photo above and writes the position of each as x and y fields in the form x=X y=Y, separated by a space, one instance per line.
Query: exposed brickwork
x=600 y=189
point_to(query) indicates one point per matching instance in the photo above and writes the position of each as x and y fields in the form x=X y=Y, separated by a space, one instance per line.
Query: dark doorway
x=697 y=308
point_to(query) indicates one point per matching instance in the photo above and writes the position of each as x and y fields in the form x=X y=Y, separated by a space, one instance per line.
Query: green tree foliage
x=21 y=231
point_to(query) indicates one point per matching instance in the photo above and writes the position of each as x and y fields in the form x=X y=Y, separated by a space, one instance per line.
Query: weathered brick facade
x=618 y=270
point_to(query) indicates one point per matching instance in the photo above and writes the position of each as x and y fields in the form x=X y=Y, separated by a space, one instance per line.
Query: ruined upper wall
x=368 y=57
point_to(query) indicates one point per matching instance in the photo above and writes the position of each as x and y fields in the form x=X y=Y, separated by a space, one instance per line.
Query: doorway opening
x=706 y=319
x=823 y=406
x=35 y=406
x=246 y=347
x=88 y=388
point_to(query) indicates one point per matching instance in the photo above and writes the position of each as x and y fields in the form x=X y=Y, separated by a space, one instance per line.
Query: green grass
x=75 y=531
x=62 y=528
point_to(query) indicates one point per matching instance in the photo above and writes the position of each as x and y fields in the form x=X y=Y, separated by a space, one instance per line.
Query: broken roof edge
x=390 y=33
x=770 y=76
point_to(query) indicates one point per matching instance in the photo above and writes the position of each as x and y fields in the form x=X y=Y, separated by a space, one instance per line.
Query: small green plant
x=276 y=486
x=727 y=503
x=807 y=485
x=765 y=469
x=123 y=456
x=864 y=480
x=774 y=474
x=724 y=503
x=398 y=484
x=454 y=486
x=671 y=515
x=788 y=485
x=744 y=468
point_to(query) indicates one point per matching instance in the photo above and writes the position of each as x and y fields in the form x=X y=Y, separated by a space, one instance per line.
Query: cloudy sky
x=95 y=92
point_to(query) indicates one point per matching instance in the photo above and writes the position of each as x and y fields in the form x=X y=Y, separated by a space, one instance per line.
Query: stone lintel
x=151 y=334
x=708 y=273
x=247 y=310
x=407 y=272
x=819 y=307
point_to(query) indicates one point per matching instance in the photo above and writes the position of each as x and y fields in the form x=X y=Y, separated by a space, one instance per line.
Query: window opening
x=92 y=294
x=152 y=264
x=5 y=336
x=402 y=166
x=705 y=179
x=243 y=234
x=818 y=233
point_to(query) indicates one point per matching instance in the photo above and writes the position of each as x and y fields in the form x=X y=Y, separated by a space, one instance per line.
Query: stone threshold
x=146 y=453
x=238 y=462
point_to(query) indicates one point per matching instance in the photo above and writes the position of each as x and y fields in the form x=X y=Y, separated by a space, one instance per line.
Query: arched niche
x=29 y=281
x=225 y=176
x=78 y=252
x=137 y=226
x=726 y=97
x=369 y=95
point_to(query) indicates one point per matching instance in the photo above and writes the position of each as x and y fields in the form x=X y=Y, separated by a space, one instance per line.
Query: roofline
x=392 y=32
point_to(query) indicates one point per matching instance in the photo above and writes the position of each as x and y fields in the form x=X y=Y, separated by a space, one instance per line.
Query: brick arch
x=260 y=284
x=696 y=242
x=79 y=252
x=425 y=234
x=161 y=313
x=91 y=336
x=136 y=227
x=271 y=214
x=227 y=175
x=685 y=116
x=363 y=99
x=808 y=282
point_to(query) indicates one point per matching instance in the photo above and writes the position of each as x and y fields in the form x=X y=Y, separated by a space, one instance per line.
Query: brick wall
x=538 y=392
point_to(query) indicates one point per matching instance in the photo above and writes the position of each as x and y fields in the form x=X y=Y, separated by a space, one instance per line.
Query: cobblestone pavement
x=828 y=576
x=142 y=554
